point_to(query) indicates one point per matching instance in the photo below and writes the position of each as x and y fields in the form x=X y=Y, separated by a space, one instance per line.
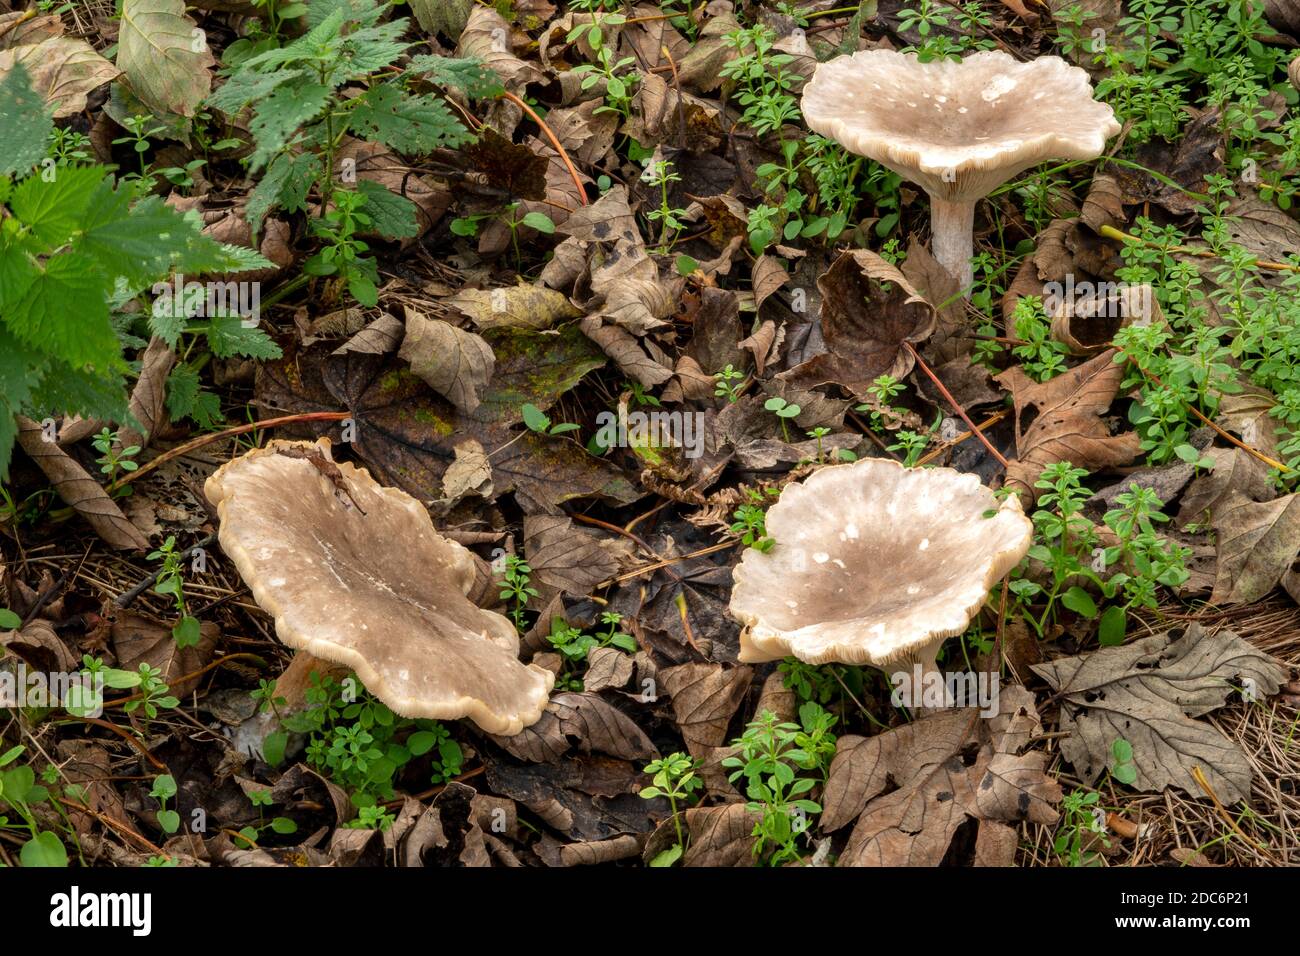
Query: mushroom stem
x=920 y=667
x=952 y=227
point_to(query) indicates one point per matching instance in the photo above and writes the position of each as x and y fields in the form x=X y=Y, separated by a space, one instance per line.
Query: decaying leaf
x=456 y=364
x=584 y=721
x=948 y=767
x=62 y=69
x=1068 y=426
x=1146 y=692
x=164 y=55
x=75 y=486
x=565 y=558
x=1256 y=543
x=704 y=698
x=868 y=311
x=520 y=306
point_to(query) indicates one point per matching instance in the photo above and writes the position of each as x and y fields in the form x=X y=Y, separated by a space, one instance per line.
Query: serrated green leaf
x=65 y=311
x=468 y=74
x=25 y=123
x=409 y=124
x=54 y=209
x=229 y=337
x=285 y=185
x=391 y=215
x=279 y=115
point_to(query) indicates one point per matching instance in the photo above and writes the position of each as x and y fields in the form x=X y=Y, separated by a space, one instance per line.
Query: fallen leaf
x=720 y=836
x=868 y=311
x=76 y=487
x=164 y=56
x=608 y=668
x=1235 y=472
x=584 y=721
x=565 y=558
x=520 y=306
x=1146 y=692
x=62 y=69
x=486 y=37
x=1068 y=426
x=141 y=640
x=455 y=363
x=704 y=698
x=1256 y=543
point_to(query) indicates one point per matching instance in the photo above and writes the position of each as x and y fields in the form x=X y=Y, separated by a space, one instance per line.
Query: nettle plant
x=76 y=247
x=334 y=82
x=1125 y=575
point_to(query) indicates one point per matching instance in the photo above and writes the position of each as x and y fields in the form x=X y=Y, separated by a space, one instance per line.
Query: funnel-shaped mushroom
x=875 y=563
x=957 y=129
x=355 y=573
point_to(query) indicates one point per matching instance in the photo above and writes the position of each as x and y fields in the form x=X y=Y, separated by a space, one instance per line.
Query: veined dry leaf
x=1246 y=412
x=139 y=640
x=469 y=473
x=1235 y=472
x=20 y=28
x=869 y=310
x=608 y=668
x=564 y=557
x=534 y=368
x=720 y=836
x=634 y=297
x=939 y=287
x=62 y=69
x=702 y=67
x=149 y=397
x=951 y=766
x=1256 y=543
x=704 y=698
x=582 y=720
x=630 y=353
x=487 y=37
x=1268 y=232
x=455 y=363
x=75 y=486
x=768 y=275
x=164 y=56
x=447 y=17
x=1146 y=692
x=1069 y=426
x=519 y=307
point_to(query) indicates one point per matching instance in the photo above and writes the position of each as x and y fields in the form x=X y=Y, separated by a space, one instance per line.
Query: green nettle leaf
x=410 y=124
x=468 y=75
x=285 y=185
x=65 y=310
x=53 y=210
x=229 y=337
x=391 y=215
x=279 y=115
x=25 y=123
x=164 y=56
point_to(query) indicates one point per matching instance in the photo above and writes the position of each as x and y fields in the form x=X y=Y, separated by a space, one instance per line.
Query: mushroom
x=875 y=564
x=355 y=573
x=957 y=129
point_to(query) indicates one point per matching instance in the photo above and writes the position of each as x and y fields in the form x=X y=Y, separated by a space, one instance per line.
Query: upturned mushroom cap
x=958 y=129
x=362 y=579
x=874 y=563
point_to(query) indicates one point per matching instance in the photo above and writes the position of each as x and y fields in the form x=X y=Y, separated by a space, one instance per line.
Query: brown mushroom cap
x=874 y=563
x=958 y=129
x=381 y=592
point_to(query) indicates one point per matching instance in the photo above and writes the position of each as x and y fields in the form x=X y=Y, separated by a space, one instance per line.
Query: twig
x=943 y=390
x=946 y=446
x=126 y=597
x=202 y=440
x=1110 y=232
x=573 y=172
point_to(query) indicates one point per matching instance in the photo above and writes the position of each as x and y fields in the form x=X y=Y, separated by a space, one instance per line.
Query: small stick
x=1110 y=232
x=573 y=172
x=943 y=390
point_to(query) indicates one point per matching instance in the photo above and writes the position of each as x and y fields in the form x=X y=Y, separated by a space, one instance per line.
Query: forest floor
x=580 y=279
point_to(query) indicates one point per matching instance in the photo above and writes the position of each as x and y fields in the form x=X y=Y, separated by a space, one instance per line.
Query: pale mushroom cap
x=958 y=129
x=383 y=593
x=874 y=563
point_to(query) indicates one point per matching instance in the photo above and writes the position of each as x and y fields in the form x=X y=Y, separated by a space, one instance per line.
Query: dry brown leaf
x=140 y=640
x=456 y=364
x=61 y=69
x=1256 y=543
x=1247 y=412
x=517 y=307
x=582 y=720
x=82 y=492
x=565 y=558
x=149 y=397
x=950 y=767
x=487 y=37
x=1146 y=692
x=868 y=311
x=704 y=698
x=1068 y=426
x=608 y=668
x=156 y=49
x=1235 y=472
x=720 y=836
x=633 y=356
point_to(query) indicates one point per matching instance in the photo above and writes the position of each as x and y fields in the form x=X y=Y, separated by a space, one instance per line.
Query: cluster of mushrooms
x=873 y=564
